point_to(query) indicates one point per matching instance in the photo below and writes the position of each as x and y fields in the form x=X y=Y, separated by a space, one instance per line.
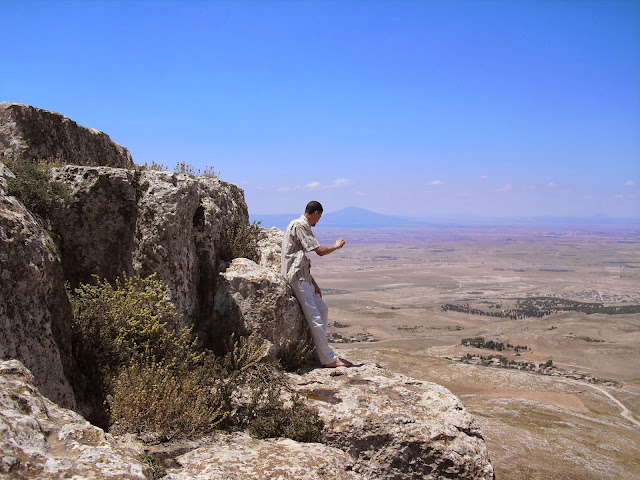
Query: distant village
x=500 y=361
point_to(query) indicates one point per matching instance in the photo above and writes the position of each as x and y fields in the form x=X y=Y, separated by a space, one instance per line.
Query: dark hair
x=313 y=207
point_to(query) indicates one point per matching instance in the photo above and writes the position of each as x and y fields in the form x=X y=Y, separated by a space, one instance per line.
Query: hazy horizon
x=420 y=109
x=352 y=217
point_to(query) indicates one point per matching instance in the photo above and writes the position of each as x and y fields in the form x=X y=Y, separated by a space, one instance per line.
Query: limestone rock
x=141 y=222
x=34 y=133
x=34 y=309
x=40 y=440
x=270 y=248
x=240 y=457
x=250 y=297
x=379 y=426
x=394 y=426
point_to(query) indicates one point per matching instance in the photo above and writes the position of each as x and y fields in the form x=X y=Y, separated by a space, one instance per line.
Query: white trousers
x=317 y=314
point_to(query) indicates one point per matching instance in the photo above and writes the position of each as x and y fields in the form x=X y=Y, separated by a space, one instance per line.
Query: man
x=296 y=268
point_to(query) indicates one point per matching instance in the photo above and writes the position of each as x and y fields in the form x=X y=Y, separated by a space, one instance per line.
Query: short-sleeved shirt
x=298 y=240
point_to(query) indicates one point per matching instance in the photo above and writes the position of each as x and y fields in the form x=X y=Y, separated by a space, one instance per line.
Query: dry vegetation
x=392 y=285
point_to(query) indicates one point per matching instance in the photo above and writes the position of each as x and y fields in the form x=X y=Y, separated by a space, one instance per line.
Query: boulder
x=34 y=309
x=270 y=248
x=34 y=133
x=250 y=297
x=239 y=457
x=396 y=427
x=41 y=440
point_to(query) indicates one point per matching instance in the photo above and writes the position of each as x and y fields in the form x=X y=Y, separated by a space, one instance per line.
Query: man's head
x=313 y=212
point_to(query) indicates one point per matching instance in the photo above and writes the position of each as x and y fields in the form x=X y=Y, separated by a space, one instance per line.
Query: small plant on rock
x=34 y=187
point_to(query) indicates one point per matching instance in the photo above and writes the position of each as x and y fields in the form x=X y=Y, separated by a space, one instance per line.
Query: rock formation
x=396 y=427
x=37 y=134
x=41 y=440
x=34 y=309
x=125 y=219
x=133 y=221
x=251 y=298
x=380 y=425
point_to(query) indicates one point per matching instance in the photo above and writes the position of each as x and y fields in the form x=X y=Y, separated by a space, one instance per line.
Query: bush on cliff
x=34 y=187
x=151 y=377
x=241 y=241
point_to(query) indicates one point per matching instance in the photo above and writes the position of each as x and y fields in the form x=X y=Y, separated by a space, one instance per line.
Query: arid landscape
x=555 y=385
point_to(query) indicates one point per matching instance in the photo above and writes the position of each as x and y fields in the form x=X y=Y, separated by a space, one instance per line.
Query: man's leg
x=316 y=312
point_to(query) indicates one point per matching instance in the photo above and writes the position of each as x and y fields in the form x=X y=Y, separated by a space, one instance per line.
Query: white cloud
x=337 y=183
x=341 y=182
x=484 y=177
x=629 y=183
x=437 y=182
x=506 y=188
x=553 y=185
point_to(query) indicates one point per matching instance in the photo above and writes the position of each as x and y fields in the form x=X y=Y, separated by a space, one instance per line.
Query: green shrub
x=133 y=322
x=242 y=241
x=169 y=401
x=147 y=376
x=33 y=186
x=187 y=169
x=268 y=416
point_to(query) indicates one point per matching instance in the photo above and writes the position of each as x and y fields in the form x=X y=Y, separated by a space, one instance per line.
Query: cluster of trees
x=538 y=307
x=506 y=363
x=555 y=305
x=522 y=311
x=480 y=342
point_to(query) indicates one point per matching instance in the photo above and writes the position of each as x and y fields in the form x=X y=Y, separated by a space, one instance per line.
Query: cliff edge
x=119 y=219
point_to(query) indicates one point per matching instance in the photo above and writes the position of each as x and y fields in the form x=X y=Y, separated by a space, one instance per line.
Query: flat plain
x=566 y=403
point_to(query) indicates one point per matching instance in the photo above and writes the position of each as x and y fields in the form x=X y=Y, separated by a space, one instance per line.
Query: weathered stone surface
x=379 y=425
x=141 y=222
x=34 y=133
x=34 y=309
x=250 y=297
x=270 y=248
x=40 y=440
x=240 y=457
x=394 y=426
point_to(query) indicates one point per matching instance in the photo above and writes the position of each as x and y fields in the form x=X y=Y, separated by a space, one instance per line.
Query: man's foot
x=340 y=362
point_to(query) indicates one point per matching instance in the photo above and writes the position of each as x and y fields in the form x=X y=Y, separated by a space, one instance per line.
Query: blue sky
x=418 y=108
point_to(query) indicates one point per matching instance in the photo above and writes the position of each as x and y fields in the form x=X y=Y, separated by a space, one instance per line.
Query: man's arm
x=322 y=251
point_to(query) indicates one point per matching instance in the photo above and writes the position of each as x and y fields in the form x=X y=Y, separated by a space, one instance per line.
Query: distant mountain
x=353 y=217
x=360 y=217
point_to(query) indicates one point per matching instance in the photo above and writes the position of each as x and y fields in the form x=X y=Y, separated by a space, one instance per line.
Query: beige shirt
x=298 y=240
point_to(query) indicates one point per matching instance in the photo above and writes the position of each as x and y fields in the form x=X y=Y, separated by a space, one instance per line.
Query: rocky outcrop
x=40 y=440
x=270 y=248
x=394 y=426
x=144 y=222
x=34 y=133
x=379 y=425
x=34 y=310
x=240 y=457
x=250 y=297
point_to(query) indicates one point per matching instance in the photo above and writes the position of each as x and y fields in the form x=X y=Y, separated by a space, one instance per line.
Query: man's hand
x=316 y=287
x=327 y=250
